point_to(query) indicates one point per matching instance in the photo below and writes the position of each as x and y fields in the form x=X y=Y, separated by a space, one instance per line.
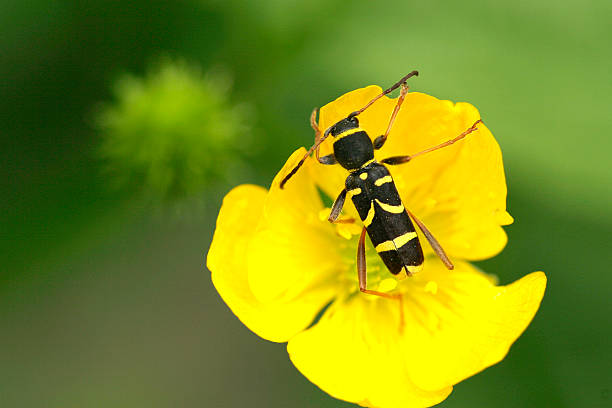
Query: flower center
x=377 y=275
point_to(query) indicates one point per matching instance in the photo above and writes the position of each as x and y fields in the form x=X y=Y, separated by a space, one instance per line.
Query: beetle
x=373 y=192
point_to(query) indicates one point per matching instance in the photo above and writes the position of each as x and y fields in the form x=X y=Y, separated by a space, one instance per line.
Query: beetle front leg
x=330 y=158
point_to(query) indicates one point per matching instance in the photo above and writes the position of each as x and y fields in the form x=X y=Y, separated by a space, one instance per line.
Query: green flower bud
x=172 y=133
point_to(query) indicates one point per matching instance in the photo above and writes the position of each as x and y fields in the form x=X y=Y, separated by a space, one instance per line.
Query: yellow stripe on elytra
x=385 y=246
x=355 y=191
x=370 y=215
x=414 y=268
x=404 y=239
x=396 y=243
x=348 y=133
x=395 y=209
x=383 y=180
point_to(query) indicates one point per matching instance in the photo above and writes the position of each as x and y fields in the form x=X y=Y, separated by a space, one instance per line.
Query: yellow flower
x=277 y=262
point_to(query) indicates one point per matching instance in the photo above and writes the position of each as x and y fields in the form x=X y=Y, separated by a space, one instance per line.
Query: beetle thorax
x=352 y=145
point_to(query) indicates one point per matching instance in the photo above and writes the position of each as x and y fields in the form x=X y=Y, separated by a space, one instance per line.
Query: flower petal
x=458 y=322
x=277 y=320
x=293 y=250
x=459 y=191
x=353 y=353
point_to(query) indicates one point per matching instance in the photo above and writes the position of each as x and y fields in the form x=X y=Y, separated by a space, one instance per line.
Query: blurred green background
x=104 y=297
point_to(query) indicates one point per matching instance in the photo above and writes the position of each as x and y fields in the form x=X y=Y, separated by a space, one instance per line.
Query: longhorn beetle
x=374 y=194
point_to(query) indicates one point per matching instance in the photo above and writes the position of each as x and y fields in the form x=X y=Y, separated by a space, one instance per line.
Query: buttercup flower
x=277 y=262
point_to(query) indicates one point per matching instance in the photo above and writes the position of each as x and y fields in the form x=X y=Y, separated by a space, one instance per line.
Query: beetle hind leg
x=361 y=273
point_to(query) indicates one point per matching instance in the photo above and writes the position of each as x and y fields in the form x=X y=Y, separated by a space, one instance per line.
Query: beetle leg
x=433 y=242
x=403 y=159
x=330 y=158
x=337 y=207
x=362 y=275
x=396 y=160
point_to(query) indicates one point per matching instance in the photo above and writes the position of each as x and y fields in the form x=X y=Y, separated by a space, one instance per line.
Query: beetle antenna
x=385 y=92
x=328 y=130
x=295 y=169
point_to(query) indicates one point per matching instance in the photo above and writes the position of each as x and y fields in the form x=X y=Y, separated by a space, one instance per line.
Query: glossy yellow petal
x=354 y=353
x=276 y=320
x=293 y=250
x=459 y=191
x=459 y=323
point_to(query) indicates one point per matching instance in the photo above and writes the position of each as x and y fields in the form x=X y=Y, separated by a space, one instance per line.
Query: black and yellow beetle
x=371 y=187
